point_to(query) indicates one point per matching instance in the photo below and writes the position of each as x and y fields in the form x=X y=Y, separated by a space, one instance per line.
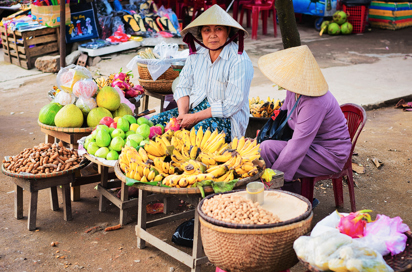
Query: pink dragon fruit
x=124 y=86
x=173 y=125
x=353 y=225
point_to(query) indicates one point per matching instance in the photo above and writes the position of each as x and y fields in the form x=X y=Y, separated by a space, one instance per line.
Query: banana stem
x=321 y=31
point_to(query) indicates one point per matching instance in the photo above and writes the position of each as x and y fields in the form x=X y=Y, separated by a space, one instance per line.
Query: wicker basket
x=264 y=249
x=159 y=86
x=401 y=262
x=170 y=74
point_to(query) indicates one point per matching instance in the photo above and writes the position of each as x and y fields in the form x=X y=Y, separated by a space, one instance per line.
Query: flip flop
x=131 y=22
x=166 y=24
x=152 y=24
x=140 y=22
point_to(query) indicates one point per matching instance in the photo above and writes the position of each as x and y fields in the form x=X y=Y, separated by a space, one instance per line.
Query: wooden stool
x=33 y=186
x=160 y=96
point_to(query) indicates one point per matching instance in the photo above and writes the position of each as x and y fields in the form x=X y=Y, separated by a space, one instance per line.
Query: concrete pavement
x=365 y=69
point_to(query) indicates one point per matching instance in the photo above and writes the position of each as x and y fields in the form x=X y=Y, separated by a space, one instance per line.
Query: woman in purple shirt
x=320 y=144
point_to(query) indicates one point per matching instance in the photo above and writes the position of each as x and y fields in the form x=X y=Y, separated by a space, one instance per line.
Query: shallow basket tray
x=250 y=226
x=68 y=130
x=179 y=191
x=401 y=262
x=163 y=86
x=40 y=176
x=259 y=250
x=170 y=74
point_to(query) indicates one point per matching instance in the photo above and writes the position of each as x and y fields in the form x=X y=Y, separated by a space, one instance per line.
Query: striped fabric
x=390 y=15
x=225 y=83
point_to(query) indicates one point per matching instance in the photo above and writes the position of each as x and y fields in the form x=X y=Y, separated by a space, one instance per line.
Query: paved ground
x=358 y=68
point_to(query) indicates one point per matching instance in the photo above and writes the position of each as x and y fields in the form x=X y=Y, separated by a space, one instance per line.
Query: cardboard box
x=49 y=15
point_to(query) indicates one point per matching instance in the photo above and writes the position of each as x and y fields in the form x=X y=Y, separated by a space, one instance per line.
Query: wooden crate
x=23 y=48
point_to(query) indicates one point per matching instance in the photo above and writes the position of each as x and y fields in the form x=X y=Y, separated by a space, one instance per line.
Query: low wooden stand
x=160 y=96
x=33 y=186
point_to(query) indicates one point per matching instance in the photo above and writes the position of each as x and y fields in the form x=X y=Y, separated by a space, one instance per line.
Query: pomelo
x=95 y=115
x=86 y=104
x=122 y=111
x=48 y=112
x=108 y=98
x=69 y=116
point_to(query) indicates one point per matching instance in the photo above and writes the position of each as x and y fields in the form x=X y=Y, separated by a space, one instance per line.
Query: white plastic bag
x=69 y=75
x=86 y=104
x=85 y=88
x=64 y=98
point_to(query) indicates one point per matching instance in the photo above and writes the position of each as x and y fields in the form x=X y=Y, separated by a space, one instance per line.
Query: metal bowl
x=178 y=65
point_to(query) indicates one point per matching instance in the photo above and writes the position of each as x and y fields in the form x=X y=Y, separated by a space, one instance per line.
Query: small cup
x=255 y=192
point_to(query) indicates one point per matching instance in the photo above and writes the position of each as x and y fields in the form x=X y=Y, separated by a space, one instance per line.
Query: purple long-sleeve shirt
x=320 y=144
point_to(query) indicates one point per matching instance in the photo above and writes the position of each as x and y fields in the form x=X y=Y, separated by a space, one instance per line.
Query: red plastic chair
x=239 y=3
x=356 y=119
x=256 y=8
x=204 y=4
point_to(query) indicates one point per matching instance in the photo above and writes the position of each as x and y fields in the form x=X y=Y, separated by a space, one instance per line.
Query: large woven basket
x=401 y=262
x=257 y=250
x=170 y=74
x=163 y=86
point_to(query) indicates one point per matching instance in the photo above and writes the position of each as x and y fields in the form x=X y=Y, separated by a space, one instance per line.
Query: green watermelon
x=48 y=112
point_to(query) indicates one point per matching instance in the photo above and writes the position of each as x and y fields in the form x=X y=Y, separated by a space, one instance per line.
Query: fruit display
x=338 y=25
x=262 y=108
x=182 y=158
x=237 y=209
x=84 y=104
x=43 y=159
x=122 y=81
x=112 y=134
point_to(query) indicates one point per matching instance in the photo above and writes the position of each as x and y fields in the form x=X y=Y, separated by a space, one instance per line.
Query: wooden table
x=108 y=182
x=148 y=193
x=160 y=96
x=33 y=184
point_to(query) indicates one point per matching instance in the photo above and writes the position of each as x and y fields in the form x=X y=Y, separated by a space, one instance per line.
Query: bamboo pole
x=62 y=33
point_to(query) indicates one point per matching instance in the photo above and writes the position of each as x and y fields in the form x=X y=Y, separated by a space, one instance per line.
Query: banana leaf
x=130 y=182
x=221 y=187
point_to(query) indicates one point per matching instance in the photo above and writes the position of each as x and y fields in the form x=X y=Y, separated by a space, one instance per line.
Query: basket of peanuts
x=241 y=235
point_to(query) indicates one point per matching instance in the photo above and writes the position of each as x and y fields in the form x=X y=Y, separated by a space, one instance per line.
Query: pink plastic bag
x=125 y=100
x=387 y=233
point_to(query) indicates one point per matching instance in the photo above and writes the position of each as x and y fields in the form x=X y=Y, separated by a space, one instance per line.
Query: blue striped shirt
x=225 y=83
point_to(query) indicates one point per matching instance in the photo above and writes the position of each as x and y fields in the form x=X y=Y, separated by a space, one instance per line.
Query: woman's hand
x=188 y=120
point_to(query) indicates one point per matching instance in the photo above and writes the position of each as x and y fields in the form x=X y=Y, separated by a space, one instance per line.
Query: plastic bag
x=69 y=75
x=183 y=235
x=105 y=23
x=386 y=235
x=86 y=104
x=164 y=12
x=85 y=88
x=64 y=98
x=117 y=25
x=125 y=100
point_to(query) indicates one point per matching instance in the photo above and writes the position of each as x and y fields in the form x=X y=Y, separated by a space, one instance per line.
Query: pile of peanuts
x=43 y=159
x=237 y=209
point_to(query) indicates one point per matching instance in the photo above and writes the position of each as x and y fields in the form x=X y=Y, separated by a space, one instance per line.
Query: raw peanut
x=47 y=171
x=45 y=160
x=59 y=166
x=67 y=166
x=30 y=168
x=52 y=158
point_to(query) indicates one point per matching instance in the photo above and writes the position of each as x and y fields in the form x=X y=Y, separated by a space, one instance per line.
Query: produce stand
x=33 y=184
x=70 y=136
x=148 y=193
x=105 y=185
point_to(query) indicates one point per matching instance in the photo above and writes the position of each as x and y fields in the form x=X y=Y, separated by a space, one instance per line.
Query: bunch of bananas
x=147 y=54
x=103 y=82
x=183 y=158
x=261 y=108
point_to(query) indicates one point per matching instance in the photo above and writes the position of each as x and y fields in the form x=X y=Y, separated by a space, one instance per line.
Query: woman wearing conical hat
x=320 y=144
x=214 y=84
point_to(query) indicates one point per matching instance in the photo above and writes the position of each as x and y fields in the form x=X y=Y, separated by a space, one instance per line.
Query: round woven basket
x=170 y=74
x=67 y=130
x=401 y=262
x=163 y=86
x=257 y=250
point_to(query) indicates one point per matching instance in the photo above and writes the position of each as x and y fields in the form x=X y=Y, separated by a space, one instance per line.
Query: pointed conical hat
x=294 y=69
x=214 y=15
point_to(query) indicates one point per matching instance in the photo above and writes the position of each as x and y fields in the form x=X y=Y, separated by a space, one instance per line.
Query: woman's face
x=214 y=36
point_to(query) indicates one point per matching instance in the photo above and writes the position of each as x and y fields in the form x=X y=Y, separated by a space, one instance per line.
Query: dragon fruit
x=353 y=225
x=122 y=81
x=123 y=76
x=173 y=125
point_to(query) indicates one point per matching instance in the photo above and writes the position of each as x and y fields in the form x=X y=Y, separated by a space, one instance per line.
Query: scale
x=177 y=66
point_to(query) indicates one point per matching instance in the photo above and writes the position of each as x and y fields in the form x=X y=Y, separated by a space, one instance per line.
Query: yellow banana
x=224 y=157
x=146 y=171
x=230 y=177
x=219 y=171
x=193 y=152
x=178 y=155
x=160 y=143
x=207 y=159
x=137 y=176
x=206 y=137
x=143 y=154
x=211 y=139
x=251 y=157
x=237 y=162
x=235 y=142
x=241 y=143
x=140 y=169
x=191 y=179
x=185 y=153
x=158 y=178
x=152 y=149
x=202 y=177
x=165 y=167
x=151 y=175
x=175 y=180
x=223 y=177
x=123 y=166
x=165 y=141
x=239 y=171
x=171 y=170
x=166 y=180
x=253 y=151
x=193 y=136
x=183 y=182
x=144 y=179
x=130 y=174
x=252 y=172
x=189 y=169
x=223 y=148
x=199 y=136
x=248 y=167
x=217 y=145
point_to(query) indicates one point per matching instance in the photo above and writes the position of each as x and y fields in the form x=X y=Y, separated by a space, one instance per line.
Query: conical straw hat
x=214 y=15
x=294 y=69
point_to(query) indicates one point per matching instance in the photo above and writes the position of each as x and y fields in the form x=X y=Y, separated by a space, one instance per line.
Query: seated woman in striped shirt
x=214 y=84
